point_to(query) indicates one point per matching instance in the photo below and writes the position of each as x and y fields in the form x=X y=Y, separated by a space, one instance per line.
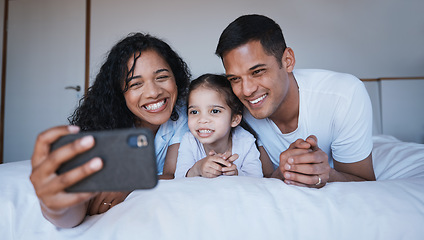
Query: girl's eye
x=193 y=112
x=214 y=111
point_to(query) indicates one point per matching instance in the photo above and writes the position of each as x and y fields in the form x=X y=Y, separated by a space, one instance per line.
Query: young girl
x=216 y=145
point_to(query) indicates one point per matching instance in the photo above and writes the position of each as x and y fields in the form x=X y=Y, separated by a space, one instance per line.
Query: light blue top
x=168 y=134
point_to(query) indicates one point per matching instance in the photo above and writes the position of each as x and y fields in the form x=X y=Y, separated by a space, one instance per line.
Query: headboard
x=398 y=107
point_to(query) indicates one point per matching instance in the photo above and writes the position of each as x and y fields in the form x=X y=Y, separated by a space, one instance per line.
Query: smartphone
x=128 y=155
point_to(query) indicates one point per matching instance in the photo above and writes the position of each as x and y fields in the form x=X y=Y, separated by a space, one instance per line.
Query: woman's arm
x=170 y=162
x=59 y=207
x=106 y=200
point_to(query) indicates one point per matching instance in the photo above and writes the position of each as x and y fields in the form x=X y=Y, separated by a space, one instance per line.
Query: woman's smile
x=152 y=91
x=156 y=106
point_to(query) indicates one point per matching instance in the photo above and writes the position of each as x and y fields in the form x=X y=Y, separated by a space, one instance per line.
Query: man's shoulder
x=321 y=74
x=247 y=117
x=325 y=80
x=262 y=127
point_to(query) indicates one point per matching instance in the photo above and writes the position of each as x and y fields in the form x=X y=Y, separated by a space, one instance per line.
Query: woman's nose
x=151 y=90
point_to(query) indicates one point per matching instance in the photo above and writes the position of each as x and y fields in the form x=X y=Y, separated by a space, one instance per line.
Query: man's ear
x=236 y=120
x=288 y=60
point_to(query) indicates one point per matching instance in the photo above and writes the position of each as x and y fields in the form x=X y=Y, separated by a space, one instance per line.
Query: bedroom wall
x=370 y=39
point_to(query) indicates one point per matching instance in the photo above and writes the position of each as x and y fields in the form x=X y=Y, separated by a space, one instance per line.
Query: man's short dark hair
x=253 y=28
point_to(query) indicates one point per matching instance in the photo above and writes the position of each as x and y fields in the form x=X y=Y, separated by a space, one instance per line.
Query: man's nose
x=248 y=87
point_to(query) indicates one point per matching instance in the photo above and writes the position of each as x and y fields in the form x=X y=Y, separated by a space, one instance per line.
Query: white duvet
x=242 y=207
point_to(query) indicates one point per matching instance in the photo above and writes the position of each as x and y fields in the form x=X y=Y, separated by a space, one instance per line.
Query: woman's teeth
x=155 y=106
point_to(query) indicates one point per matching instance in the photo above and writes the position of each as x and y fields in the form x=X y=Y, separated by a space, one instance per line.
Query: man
x=315 y=125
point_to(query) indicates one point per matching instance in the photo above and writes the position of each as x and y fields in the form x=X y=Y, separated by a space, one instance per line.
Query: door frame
x=3 y=77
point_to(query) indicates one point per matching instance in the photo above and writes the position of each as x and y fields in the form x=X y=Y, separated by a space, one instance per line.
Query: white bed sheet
x=242 y=207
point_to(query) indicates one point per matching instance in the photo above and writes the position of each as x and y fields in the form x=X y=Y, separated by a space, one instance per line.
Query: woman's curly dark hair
x=104 y=106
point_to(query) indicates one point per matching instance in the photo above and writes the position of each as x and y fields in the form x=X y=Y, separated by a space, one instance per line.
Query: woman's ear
x=288 y=60
x=236 y=120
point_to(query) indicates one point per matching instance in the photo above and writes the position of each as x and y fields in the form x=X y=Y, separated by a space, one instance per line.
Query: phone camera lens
x=138 y=141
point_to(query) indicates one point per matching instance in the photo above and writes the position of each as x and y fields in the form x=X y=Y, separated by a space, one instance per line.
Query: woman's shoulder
x=180 y=120
x=173 y=130
x=182 y=114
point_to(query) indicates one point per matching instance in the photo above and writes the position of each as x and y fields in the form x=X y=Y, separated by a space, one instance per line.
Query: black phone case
x=129 y=160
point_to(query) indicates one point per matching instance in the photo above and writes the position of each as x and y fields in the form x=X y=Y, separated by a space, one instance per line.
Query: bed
x=241 y=207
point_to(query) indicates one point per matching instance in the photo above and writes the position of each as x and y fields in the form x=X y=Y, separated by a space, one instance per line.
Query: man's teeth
x=205 y=131
x=155 y=106
x=258 y=99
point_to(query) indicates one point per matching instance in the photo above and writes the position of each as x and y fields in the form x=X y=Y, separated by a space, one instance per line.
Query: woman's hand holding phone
x=50 y=187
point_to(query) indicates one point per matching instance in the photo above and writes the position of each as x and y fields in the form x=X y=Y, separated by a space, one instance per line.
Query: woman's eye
x=135 y=84
x=162 y=78
x=214 y=111
x=193 y=112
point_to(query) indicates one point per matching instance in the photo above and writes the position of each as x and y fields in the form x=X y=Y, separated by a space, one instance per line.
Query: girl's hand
x=210 y=166
x=104 y=201
x=232 y=170
x=50 y=187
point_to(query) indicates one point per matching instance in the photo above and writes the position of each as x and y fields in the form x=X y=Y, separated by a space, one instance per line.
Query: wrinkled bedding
x=241 y=207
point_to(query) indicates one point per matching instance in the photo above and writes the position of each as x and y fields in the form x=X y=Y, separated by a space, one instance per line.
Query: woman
x=141 y=84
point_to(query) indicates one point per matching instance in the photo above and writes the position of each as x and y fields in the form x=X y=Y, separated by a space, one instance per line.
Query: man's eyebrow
x=257 y=66
x=250 y=69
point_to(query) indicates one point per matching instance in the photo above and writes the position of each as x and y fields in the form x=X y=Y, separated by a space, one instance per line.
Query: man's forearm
x=336 y=176
x=277 y=174
x=357 y=171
